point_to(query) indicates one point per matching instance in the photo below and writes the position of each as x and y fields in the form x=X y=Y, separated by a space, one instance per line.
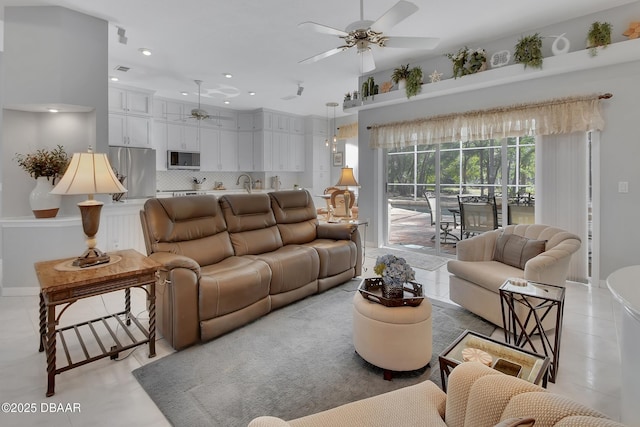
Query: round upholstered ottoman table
x=392 y=338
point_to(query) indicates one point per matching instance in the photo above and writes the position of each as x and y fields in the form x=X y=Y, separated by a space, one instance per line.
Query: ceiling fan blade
x=319 y=28
x=322 y=55
x=412 y=42
x=367 y=64
x=399 y=12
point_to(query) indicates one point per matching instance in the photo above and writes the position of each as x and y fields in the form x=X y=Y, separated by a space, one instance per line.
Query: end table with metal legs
x=525 y=305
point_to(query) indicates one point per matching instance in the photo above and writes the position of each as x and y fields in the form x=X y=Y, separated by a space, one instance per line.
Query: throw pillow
x=515 y=250
x=517 y=422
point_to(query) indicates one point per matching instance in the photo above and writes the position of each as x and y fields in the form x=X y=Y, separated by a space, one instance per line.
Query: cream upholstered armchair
x=477 y=396
x=535 y=252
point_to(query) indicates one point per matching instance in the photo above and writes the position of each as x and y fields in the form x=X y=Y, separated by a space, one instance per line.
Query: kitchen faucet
x=248 y=183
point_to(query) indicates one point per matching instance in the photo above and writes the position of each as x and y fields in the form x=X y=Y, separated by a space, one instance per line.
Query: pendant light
x=334 y=144
x=326 y=140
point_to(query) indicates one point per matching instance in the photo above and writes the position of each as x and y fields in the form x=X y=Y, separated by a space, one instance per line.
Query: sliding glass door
x=424 y=181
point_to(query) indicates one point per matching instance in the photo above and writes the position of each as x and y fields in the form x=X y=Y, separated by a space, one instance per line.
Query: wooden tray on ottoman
x=371 y=289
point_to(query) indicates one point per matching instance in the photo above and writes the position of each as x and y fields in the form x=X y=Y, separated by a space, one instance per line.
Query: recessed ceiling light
x=114 y=78
x=252 y=93
x=145 y=51
x=184 y=93
x=227 y=75
x=52 y=110
x=227 y=102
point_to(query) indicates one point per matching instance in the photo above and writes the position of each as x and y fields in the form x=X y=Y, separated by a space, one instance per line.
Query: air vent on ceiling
x=122 y=68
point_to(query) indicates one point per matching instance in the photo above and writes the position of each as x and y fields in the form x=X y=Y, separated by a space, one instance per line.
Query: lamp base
x=91 y=257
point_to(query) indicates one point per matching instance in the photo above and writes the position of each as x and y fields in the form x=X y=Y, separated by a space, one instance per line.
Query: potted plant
x=414 y=82
x=528 y=51
x=400 y=75
x=467 y=61
x=45 y=166
x=599 y=35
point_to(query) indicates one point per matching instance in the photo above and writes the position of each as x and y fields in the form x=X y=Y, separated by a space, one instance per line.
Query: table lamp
x=89 y=173
x=347 y=180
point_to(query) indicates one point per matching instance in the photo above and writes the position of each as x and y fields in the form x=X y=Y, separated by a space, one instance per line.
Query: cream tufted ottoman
x=392 y=338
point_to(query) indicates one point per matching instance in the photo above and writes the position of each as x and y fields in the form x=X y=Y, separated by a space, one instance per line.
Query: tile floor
x=109 y=395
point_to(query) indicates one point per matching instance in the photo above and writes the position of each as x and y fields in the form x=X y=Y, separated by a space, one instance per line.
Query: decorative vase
x=402 y=83
x=43 y=204
x=391 y=288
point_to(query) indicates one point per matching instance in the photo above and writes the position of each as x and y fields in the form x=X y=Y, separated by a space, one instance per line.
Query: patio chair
x=446 y=220
x=478 y=214
x=521 y=210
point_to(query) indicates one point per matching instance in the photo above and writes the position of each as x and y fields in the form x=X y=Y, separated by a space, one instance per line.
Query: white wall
x=620 y=143
x=57 y=56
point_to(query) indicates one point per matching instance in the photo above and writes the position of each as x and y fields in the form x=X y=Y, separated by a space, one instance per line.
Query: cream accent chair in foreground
x=476 y=275
x=478 y=396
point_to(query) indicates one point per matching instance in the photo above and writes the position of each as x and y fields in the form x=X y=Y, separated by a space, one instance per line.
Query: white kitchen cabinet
x=248 y=158
x=181 y=137
x=263 y=150
x=126 y=101
x=159 y=142
x=296 y=153
x=246 y=121
x=218 y=150
x=126 y=130
x=297 y=125
x=280 y=152
x=281 y=122
x=264 y=120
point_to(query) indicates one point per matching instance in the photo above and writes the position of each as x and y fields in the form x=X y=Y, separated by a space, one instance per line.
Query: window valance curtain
x=553 y=117
x=348 y=131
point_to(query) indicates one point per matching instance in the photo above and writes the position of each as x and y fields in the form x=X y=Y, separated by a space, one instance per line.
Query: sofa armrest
x=177 y=304
x=170 y=261
x=473 y=386
x=343 y=231
x=551 y=266
x=268 y=422
x=339 y=231
x=478 y=248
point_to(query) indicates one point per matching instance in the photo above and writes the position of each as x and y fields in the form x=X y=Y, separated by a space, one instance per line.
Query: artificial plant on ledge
x=599 y=35
x=528 y=51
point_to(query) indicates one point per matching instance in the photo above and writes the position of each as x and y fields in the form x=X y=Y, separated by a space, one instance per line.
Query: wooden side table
x=538 y=301
x=62 y=284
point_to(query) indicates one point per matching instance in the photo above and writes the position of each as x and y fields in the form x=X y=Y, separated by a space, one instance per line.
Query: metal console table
x=525 y=305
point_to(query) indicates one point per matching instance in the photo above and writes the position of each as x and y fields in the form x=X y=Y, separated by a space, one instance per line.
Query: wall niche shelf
x=616 y=53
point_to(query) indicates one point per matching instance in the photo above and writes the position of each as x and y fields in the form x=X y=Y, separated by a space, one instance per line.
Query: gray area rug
x=292 y=362
x=415 y=259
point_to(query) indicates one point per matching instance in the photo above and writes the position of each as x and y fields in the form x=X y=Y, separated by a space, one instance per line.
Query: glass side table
x=534 y=367
x=525 y=305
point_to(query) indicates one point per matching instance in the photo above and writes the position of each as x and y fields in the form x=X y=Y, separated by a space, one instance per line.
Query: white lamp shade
x=89 y=173
x=347 y=179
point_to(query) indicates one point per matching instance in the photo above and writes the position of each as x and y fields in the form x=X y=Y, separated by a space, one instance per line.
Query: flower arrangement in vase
x=467 y=61
x=45 y=166
x=395 y=272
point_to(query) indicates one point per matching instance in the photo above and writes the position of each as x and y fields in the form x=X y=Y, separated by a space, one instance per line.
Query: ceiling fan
x=201 y=114
x=364 y=33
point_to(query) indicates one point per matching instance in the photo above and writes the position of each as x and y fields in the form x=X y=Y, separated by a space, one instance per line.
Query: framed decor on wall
x=338 y=158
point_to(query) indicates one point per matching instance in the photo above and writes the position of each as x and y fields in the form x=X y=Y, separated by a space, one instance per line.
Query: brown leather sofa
x=230 y=261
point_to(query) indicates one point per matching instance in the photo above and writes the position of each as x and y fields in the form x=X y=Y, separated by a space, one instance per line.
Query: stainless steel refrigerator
x=138 y=165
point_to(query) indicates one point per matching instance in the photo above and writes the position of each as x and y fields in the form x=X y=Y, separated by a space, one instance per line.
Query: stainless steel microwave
x=183 y=160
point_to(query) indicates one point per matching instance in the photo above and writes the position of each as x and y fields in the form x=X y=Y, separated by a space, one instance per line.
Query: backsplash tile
x=179 y=180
